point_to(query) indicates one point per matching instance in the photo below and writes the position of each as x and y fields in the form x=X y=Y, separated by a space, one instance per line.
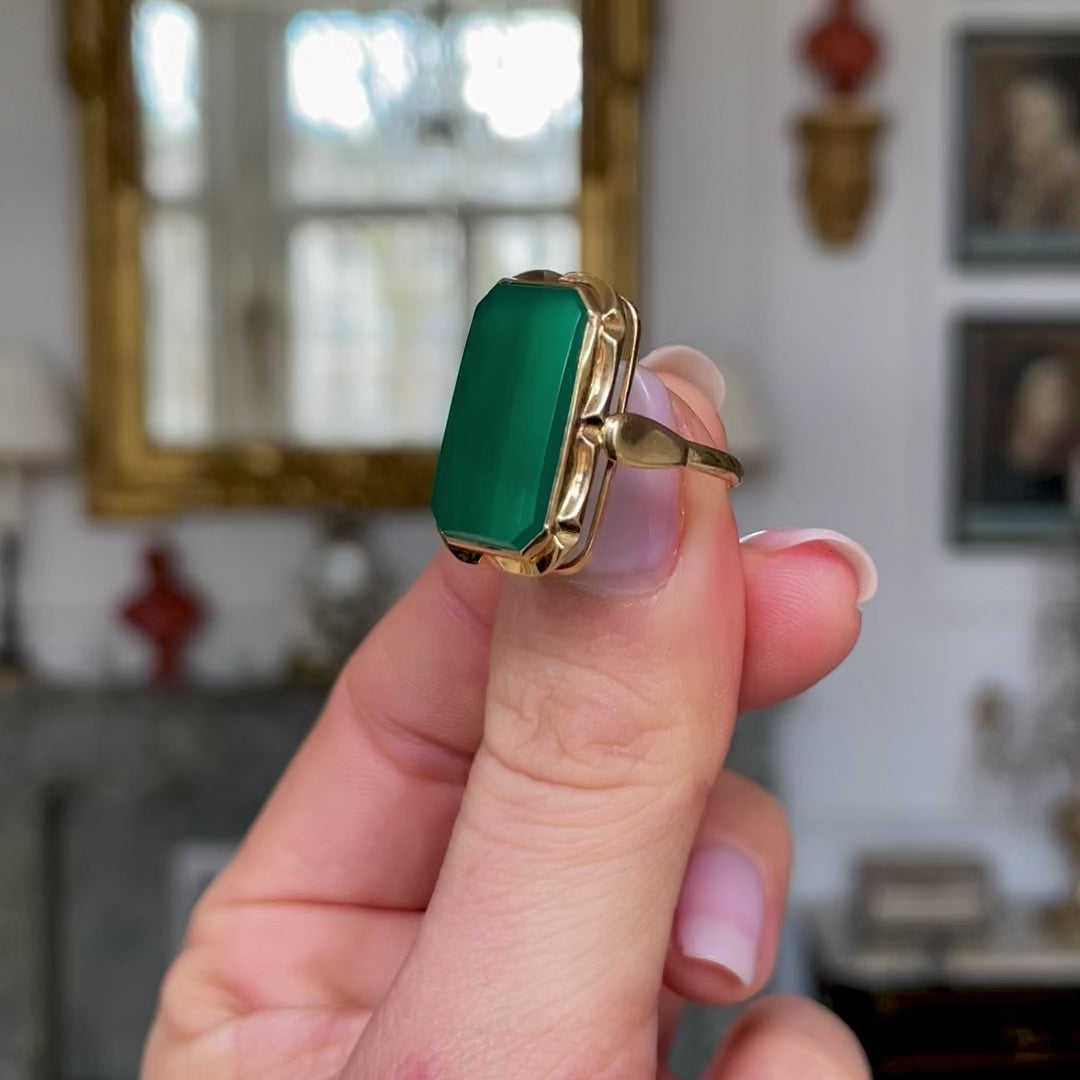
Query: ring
x=538 y=424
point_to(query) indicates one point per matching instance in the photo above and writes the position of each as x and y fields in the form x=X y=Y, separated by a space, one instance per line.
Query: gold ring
x=538 y=423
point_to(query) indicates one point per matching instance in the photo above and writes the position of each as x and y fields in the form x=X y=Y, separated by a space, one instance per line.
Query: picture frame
x=1017 y=133
x=1016 y=417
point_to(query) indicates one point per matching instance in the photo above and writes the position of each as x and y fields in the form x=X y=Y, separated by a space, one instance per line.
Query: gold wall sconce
x=840 y=139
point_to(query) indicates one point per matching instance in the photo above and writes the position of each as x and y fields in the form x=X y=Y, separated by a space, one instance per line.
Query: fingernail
x=635 y=547
x=856 y=554
x=692 y=366
x=721 y=911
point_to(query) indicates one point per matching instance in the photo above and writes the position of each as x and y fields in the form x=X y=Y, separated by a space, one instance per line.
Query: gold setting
x=642 y=443
x=605 y=372
x=599 y=435
x=130 y=476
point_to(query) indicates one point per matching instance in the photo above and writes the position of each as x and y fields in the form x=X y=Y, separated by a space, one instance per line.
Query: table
x=1002 y=1005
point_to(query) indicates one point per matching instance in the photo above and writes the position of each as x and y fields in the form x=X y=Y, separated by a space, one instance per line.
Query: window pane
x=377 y=313
x=347 y=71
x=179 y=387
x=358 y=88
x=167 y=52
x=521 y=74
x=402 y=108
x=508 y=245
x=518 y=82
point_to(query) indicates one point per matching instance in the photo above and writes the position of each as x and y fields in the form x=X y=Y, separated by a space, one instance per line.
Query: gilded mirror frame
x=127 y=474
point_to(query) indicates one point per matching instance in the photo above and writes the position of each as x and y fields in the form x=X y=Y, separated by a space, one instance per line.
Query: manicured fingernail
x=697 y=380
x=638 y=538
x=856 y=554
x=721 y=911
x=692 y=366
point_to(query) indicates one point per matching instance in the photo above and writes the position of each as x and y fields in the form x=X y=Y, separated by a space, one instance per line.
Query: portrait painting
x=1019 y=141
x=1018 y=445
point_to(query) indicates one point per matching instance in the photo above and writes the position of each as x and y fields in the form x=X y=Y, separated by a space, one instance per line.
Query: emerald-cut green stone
x=500 y=455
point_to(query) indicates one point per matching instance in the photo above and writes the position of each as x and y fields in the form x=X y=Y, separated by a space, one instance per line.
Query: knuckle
x=188 y=1003
x=565 y=723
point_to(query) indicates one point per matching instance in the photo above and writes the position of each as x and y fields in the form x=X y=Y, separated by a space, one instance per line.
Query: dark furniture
x=1004 y=1006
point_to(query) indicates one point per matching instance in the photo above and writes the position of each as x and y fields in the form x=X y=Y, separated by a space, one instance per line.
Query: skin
x=471 y=868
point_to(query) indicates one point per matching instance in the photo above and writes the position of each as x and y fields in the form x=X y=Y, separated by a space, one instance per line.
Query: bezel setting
x=605 y=373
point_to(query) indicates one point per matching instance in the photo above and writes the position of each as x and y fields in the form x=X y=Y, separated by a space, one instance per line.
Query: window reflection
x=167 y=63
x=376 y=305
x=390 y=106
x=167 y=58
x=343 y=66
x=505 y=245
x=522 y=72
x=179 y=391
x=328 y=193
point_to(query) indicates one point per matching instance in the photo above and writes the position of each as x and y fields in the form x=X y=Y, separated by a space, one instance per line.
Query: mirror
x=293 y=209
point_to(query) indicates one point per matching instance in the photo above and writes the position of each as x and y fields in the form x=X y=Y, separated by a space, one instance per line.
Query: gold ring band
x=642 y=443
x=531 y=442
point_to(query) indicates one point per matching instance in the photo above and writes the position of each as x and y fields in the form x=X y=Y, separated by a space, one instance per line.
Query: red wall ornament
x=839 y=139
x=843 y=49
x=167 y=613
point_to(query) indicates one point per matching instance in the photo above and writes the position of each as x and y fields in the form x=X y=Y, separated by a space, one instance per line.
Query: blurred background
x=240 y=242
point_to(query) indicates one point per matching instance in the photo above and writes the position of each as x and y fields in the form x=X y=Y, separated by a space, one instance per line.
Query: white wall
x=850 y=355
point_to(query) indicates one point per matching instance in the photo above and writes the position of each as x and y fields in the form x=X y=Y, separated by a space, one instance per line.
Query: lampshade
x=36 y=419
x=747 y=429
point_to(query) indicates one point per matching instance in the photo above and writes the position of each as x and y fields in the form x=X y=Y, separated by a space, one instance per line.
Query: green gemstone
x=500 y=455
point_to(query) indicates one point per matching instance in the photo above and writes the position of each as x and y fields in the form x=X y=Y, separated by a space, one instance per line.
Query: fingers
x=671 y=1009
x=731 y=909
x=400 y=734
x=802 y=618
x=364 y=812
x=789 y=1038
x=609 y=710
x=406 y=716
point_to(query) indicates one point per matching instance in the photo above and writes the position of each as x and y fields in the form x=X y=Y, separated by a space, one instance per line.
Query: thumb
x=611 y=701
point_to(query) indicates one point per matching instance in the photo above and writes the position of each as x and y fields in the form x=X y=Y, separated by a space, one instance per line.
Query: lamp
x=745 y=421
x=36 y=431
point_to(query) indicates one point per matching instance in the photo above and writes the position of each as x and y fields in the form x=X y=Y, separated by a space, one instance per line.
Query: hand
x=508 y=850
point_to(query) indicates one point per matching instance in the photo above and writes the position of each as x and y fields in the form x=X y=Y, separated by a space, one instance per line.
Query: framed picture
x=1018 y=430
x=1018 y=133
